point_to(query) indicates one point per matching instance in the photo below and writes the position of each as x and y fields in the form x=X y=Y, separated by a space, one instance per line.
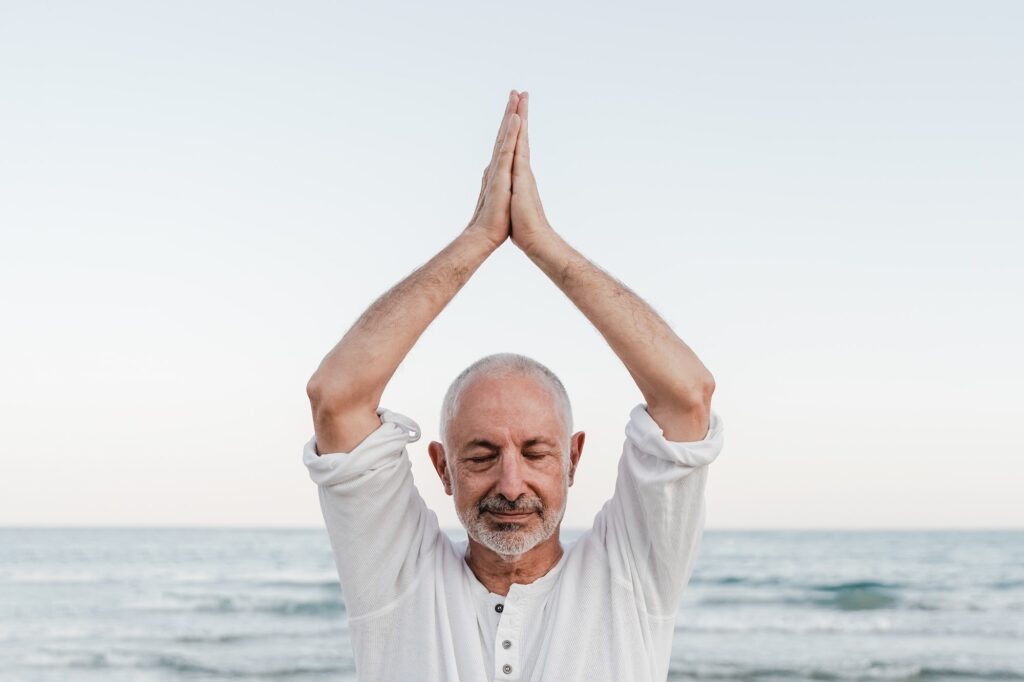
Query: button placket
x=506 y=650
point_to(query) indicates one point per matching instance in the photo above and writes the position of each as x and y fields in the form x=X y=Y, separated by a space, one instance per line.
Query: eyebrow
x=484 y=443
x=481 y=443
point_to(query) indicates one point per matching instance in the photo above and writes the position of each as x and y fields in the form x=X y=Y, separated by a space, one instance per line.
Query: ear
x=437 y=457
x=575 y=450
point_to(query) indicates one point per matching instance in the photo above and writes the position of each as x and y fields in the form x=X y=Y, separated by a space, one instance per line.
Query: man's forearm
x=664 y=368
x=359 y=367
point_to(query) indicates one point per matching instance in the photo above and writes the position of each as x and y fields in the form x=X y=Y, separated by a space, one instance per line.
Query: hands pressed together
x=509 y=204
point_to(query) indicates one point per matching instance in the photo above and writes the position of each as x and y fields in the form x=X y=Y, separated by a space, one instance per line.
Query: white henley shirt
x=605 y=611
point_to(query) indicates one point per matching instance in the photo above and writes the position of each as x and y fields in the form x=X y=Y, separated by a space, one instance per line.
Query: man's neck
x=497 y=571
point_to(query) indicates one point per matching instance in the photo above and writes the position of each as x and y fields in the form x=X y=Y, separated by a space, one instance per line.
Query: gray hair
x=504 y=364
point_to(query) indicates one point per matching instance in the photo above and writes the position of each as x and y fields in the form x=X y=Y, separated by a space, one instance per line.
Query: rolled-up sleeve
x=653 y=524
x=379 y=527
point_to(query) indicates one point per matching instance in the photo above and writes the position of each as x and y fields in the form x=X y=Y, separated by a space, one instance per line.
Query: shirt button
x=506 y=644
x=506 y=668
x=499 y=607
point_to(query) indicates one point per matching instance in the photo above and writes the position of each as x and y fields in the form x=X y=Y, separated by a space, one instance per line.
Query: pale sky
x=823 y=199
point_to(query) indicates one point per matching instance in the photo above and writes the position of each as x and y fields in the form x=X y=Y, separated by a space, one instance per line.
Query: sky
x=822 y=199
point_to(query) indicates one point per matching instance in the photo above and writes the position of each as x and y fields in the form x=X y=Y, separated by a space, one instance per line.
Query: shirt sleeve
x=653 y=524
x=379 y=527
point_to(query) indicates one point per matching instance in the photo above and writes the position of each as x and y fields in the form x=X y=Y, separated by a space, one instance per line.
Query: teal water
x=153 y=605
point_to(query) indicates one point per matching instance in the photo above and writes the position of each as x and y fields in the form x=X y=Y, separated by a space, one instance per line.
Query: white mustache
x=501 y=504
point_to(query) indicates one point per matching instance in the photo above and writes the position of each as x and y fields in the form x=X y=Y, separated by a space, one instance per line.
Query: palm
x=528 y=220
x=526 y=212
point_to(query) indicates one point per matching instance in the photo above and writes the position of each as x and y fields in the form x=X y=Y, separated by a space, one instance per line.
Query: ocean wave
x=736 y=580
x=846 y=596
x=183 y=664
x=230 y=638
x=329 y=585
x=235 y=637
x=275 y=604
x=88 y=661
x=316 y=607
x=875 y=670
x=928 y=673
x=858 y=596
x=304 y=608
x=800 y=626
x=1007 y=584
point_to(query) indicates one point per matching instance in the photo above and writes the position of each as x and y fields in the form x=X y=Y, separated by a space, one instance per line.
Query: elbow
x=700 y=395
x=706 y=389
x=693 y=394
x=331 y=397
x=317 y=388
x=322 y=394
x=314 y=390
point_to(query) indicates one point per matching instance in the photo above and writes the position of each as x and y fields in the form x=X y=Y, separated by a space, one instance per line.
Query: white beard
x=511 y=543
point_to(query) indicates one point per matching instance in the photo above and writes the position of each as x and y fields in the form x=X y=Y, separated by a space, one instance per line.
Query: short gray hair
x=503 y=364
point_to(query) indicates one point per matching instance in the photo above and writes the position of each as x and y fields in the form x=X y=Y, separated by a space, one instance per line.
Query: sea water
x=150 y=605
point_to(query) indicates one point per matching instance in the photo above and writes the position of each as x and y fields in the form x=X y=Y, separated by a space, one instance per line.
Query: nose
x=511 y=483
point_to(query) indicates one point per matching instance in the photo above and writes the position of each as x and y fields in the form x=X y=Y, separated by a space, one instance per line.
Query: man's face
x=509 y=465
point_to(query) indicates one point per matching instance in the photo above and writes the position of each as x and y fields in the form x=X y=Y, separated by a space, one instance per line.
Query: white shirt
x=605 y=611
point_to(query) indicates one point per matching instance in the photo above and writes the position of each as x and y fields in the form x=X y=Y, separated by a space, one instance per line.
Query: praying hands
x=509 y=204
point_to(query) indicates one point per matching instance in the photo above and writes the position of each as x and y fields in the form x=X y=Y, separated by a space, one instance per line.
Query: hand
x=492 y=216
x=529 y=224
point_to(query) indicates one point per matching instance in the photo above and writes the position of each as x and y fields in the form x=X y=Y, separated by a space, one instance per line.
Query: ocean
x=198 y=605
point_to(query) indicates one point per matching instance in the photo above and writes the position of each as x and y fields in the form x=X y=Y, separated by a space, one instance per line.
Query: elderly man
x=511 y=602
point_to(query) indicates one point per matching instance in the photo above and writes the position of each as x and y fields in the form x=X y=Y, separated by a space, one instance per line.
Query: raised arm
x=346 y=388
x=675 y=384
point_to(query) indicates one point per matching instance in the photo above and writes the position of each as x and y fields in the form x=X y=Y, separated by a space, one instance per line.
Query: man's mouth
x=511 y=516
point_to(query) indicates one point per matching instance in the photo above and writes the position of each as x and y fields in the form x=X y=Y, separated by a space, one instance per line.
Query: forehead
x=507 y=407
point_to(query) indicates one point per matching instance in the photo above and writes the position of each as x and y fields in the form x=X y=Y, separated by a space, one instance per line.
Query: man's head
x=507 y=453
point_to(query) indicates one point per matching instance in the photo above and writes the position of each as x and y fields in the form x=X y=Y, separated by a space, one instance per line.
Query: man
x=510 y=602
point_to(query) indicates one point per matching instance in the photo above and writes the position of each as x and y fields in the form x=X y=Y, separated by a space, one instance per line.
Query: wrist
x=544 y=244
x=477 y=239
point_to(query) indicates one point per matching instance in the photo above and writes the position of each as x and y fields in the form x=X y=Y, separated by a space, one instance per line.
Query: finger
x=508 y=147
x=510 y=107
x=522 y=153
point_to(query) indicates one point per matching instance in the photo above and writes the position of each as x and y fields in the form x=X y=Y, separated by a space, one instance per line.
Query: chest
x=583 y=626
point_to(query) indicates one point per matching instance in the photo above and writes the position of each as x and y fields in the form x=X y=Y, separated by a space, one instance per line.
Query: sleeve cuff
x=386 y=443
x=648 y=437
